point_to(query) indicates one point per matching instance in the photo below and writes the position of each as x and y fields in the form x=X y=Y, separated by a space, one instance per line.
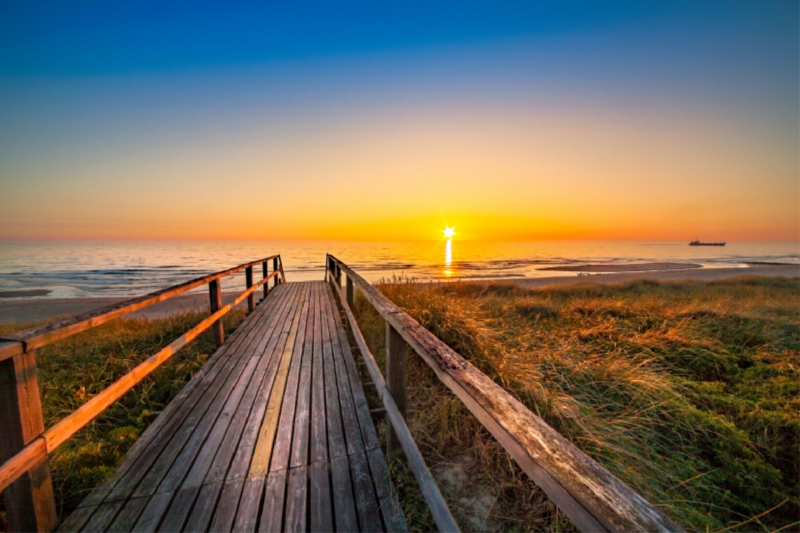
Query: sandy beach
x=22 y=311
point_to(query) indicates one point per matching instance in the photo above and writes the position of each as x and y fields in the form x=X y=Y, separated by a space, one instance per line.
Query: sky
x=389 y=120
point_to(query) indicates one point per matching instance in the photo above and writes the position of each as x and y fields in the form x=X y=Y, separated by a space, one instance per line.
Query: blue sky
x=98 y=95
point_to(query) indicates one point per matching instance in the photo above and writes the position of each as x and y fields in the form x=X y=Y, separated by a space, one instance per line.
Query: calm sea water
x=81 y=269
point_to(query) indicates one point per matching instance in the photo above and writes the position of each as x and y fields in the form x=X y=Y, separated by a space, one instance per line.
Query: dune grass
x=689 y=392
x=73 y=370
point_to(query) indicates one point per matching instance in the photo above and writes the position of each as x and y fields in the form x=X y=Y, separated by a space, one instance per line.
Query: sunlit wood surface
x=273 y=434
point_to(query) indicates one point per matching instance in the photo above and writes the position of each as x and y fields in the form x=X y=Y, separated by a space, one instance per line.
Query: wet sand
x=635 y=267
x=21 y=311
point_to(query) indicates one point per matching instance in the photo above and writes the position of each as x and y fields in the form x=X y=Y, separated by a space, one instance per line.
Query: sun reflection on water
x=448 y=257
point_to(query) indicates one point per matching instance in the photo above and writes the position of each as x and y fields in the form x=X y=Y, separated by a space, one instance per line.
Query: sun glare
x=449 y=232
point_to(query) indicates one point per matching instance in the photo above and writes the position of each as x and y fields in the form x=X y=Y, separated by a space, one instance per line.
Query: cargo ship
x=698 y=243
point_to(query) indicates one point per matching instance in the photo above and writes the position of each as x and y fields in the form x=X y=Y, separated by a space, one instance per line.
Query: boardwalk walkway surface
x=273 y=434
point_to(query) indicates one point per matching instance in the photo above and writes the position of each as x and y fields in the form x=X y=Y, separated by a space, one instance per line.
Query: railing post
x=275 y=268
x=396 y=381
x=251 y=300
x=265 y=265
x=215 y=297
x=29 y=501
x=339 y=275
x=349 y=292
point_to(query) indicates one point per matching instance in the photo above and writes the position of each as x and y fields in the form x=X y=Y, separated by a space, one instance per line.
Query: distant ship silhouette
x=698 y=243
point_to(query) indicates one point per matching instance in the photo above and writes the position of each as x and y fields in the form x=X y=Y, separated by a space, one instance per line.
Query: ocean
x=99 y=269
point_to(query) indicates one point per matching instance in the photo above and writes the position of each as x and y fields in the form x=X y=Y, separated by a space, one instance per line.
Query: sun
x=449 y=232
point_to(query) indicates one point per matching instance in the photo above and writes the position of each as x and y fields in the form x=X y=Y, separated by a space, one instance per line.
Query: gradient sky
x=384 y=121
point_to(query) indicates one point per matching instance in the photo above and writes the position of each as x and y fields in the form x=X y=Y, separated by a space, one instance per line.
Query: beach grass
x=73 y=370
x=689 y=392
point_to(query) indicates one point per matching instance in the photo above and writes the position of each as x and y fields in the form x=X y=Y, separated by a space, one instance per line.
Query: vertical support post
x=29 y=501
x=265 y=265
x=339 y=276
x=396 y=381
x=349 y=292
x=215 y=297
x=274 y=268
x=251 y=300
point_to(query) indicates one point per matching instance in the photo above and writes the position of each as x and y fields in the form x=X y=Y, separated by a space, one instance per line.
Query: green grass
x=689 y=392
x=75 y=369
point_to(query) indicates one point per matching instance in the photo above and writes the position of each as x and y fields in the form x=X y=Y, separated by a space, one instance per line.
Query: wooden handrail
x=586 y=492
x=29 y=339
x=36 y=451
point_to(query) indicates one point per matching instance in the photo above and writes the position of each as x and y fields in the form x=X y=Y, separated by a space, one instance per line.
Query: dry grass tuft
x=688 y=392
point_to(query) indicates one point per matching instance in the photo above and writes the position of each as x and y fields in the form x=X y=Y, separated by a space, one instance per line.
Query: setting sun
x=449 y=232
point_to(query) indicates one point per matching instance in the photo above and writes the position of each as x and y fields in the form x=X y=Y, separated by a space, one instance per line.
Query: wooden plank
x=586 y=492
x=259 y=465
x=336 y=442
x=319 y=444
x=42 y=335
x=321 y=511
x=301 y=428
x=247 y=514
x=272 y=513
x=227 y=505
x=204 y=508
x=387 y=497
x=153 y=512
x=344 y=508
x=433 y=497
x=352 y=430
x=29 y=501
x=296 y=498
x=366 y=503
x=242 y=460
x=102 y=518
x=241 y=447
x=77 y=519
x=283 y=438
x=182 y=504
x=368 y=432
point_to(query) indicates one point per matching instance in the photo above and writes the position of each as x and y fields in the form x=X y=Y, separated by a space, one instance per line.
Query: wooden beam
x=275 y=268
x=396 y=380
x=586 y=492
x=60 y=329
x=251 y=300
x=349 y=291
x=29 y=501
x=215 y=302
x=265 y=267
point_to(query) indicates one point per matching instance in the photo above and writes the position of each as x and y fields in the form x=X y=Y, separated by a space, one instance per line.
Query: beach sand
x=21 y=311
x=635 y=267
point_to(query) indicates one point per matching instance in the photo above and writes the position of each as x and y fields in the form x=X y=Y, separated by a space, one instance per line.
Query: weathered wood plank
x=321 y=515
x=182 y=504
x=301 y=429
x=226 y=505
x=259 y=465
x=103 y=517
x=283 y=438
x=336 y=442
x=247 y=514
x=352 y=429
x=272 y=513
x=204 y=507
x=344 y=508
x=387 y=497
x=153 y=512
x=77 y=519
x=296 y=498
x=319 y=443
x=366 y=503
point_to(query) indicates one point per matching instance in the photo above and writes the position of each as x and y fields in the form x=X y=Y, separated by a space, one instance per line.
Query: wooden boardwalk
x=273 y=434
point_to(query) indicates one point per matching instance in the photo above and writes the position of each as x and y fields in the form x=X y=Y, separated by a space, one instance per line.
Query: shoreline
x=24 y=311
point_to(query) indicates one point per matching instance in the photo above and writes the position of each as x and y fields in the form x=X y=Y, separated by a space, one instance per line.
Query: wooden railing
x=24 y=442
x=586 y=492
